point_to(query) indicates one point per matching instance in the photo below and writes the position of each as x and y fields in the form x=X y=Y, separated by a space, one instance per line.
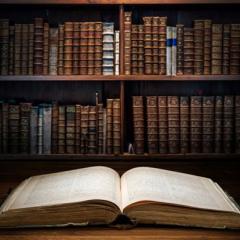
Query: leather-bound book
x=152 y=124
x=92 y=130
x=228 y=124
x=54 y=134
x=198 y=47
x=217 y=47
x=84 y=128
x=78 y=128
x=98 y=45
x=226 y=49
x=30 y=48
x=83 y=64
x=218 y=126
x=163 y=124
x=134 y=49
x=60 y=49
x=46 y=49
x=68 y=46
x=173 y=124
x=61 y=130
x=100 y=128
x=4 y=46
x=109 y=126
x=235 y=49
x=162 y=45
x=138 y=124
x=33 y=129
x=75 y=48
x=180 y=49
x=70 y=128
x=237 y=124
x=47 y=128
x=188 y=51
x=148 y=49
x=116 y=126
x=38 y=46
x=53 y=51
x=13 y=128
x=91 y=48
x=24 y=49
x=140 y=49
x=155 y=45
x=127 y=42
x=11 y=51
x=25 y=113
x=184 y=124
x=5 y=129
x=17 y=48
x=207 y=42
x=196 y=124
x=208 y=124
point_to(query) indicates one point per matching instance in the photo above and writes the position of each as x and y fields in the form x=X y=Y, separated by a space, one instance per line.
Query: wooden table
x=148 y=233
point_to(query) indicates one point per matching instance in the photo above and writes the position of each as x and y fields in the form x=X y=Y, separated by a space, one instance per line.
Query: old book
x=174 y=51
x=184 y=124
x=83 y=62
x=116 y=126
x=17 y=48
x=127 y=42
x=217 y=44
x=207 y=42
x=226 y=49
x=11 y=50
x=140 y=49
x=24 y=49
x=218 y=128
x=38 y=50
x=162 y=45
x=61 y=129
x=33 y=129
x=117 y=52
x=196 y=124
x=208 y=124
x=60 y=61
x=91 y=48
x=152 y=124
x=98 y=196
x=30 y=48
x=155 y=45
x=75 y=48
x=47 y=128
x=180 y=56
x=228 y=124
x=99 y=47
x=235 y=49
x=53 y=51
x=237 y=124
x=78 y=128
x=84 y=128
x=92 y=130
x=54 y=128
x=24 y=138
x=68 y=48
x=100 y=128
x=5 y=129
x=109 y=127
x=173 y=124
x=188 y=52
x=169 y=50
x=4 y=46
x=70 y=128
x=134 y=49
x=163 y=124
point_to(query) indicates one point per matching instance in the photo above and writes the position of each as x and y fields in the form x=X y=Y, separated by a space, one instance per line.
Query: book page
x=79 y=185
x=150 y=184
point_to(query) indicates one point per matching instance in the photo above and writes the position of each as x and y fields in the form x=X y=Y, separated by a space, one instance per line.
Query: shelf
x=122 y=158
x=93 y=78
x=116 y=2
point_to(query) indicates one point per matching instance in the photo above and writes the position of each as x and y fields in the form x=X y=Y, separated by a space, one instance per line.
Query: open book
x=98 y=195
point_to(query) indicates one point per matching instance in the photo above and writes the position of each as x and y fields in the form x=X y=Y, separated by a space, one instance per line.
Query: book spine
x=208 y=124
x=54 y=141
x=33 y=129
x=140 y=49
x=218 y=130
x=198 y=47
x=17 y=48
x=14 y=128
x=76 y=48
x=92 y=130
x=4 y=46
x=117 y=52
x=47 y=128
x=68 y=45
x=116 y=126
x=100 y=127
x=91 y=48
x=60 y=61
x=184 y=124
x=134 y=49
x=196 y=124
x=162 y=45
x=228 y=124
x=226 y=49
x=148 y=49
x=11 y=50
x=173 y=124
x=24 y=49
x=53 y=51
x=25 y=112
x=70 y=129
x=78 y=128
x=127 y=42
x=217 y=42
x=237 y=124
x=235 y=49
x=30 y=48
x=180 y=36
x=152 y=124
x=99 y=47
x=83 y=64
x=163 y=124
x=169 y=51
x=155 y=45
x=207 y=42
x=174 y=51
x=38 y=46
x=84 y=128
x=104 y=130
x=188 y=51
x=108 y=48
x=5 y=129
x=61 y=130
x=109 y=125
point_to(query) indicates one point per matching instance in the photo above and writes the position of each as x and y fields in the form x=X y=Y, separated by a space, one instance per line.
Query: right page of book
x=152 y=184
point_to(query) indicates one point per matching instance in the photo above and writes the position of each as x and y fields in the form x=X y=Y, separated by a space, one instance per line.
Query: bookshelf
x=224 y=168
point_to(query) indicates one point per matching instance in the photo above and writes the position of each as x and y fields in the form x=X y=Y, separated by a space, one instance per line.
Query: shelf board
x=121 y=158
x=116 y=2
x=93 y=78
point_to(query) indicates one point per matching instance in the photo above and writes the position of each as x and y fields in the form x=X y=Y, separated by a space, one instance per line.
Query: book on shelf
x=99 y=196
x=127 y=42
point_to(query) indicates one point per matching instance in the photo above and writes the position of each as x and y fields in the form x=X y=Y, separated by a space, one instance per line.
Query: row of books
x=155 y=48
x=195 y=124
x=72 y=48
x=53 y=128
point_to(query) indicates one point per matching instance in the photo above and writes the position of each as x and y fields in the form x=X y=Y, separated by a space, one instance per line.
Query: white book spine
x=116 y=49
x=169 y=51
x=174 y=51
